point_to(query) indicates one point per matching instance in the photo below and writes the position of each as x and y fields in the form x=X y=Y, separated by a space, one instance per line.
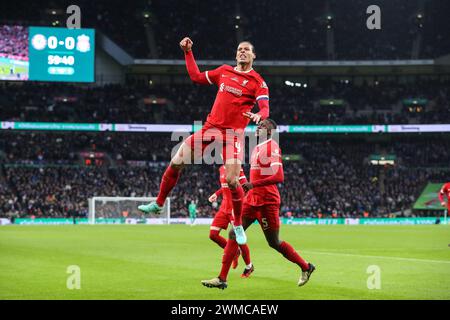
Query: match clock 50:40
x=57 y=60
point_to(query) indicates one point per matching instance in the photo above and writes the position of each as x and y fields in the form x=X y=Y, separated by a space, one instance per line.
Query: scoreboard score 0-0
x=60 y=54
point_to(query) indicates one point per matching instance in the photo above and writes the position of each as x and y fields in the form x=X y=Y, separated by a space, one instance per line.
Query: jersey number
x=237 y=145
x=264 y=223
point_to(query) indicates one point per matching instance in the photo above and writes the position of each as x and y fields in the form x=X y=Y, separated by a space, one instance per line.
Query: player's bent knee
x=213 y=233
x=177 y=162
x=182 y=157
x=177 y=166
x=231 y=235
x=232 y=181
x=274 y=244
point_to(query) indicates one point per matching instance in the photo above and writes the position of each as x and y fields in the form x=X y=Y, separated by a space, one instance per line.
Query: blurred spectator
x=334 y=178
x=379 y=103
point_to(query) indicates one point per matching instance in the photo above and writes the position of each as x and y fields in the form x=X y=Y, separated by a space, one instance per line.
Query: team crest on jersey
x=244 y=83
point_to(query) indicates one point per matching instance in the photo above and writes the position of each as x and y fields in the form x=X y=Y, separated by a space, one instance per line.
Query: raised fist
x=212 y=198
x=186 y=44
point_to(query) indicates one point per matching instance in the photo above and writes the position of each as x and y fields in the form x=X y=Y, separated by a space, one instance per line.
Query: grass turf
x=168 y=262
x=5 y=70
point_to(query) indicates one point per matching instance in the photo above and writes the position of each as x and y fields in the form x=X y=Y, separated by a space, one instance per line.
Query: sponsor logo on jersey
x=235 y=91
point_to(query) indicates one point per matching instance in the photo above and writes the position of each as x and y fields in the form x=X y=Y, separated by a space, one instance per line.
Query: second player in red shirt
x=262 y=204
x=445 y=192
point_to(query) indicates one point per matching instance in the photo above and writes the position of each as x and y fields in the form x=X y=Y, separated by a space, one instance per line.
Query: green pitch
x=6 y=66
x=168 y=262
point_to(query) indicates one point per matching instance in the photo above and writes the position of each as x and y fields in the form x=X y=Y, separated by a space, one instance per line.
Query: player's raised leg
x=233 y=168
x=169 y=179
x=214 y=235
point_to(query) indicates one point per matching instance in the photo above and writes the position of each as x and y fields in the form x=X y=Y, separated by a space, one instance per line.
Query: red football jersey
x=227 y=205
x=238 y=93
x=445 y=191
x=265 y=160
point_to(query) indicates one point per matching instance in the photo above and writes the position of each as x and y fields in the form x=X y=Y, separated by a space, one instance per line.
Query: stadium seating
x=300 y=35
x=44 y=174
x=362 y=104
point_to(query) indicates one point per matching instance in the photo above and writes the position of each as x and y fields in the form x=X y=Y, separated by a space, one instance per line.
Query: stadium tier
x=49 y=174
x=314 y=102
x=320 y=30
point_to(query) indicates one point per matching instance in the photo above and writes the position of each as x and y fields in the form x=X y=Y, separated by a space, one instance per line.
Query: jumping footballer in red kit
x=239 y=89
x=224 y=217
x=445 y=192
x=263 y=204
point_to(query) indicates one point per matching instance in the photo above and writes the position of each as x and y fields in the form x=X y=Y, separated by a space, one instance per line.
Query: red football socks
x=237 y=196
x=217 y=238
x=289 y=253
x=229 y=253
x=245 y=253
x=168 y=181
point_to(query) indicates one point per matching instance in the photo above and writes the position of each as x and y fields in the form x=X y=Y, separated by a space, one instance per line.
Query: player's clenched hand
x=443 y=203
x=253 y=116
x=212 y=198
x=247 y=187
x=186 y=44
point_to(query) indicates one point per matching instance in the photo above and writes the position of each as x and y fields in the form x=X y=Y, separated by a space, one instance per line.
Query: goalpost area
x=124 y=210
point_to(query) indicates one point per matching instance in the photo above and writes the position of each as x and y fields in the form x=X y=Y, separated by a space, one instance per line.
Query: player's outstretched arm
x=277 y=177
x=263 y=105
x=215 y=195
x=262 y=100
x=441 y=197
x=242 y=177
x=191 y=66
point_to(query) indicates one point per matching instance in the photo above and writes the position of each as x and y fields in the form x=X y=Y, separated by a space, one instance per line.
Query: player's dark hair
x=272 y=122
x=251 y=44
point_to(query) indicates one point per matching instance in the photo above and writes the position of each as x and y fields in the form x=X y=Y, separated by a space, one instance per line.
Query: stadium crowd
x=14 y=42
x=44 y=178
x=45 y=174
x=378 y=103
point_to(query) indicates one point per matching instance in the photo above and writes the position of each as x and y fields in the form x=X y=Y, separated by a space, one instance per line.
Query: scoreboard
x=60 y=54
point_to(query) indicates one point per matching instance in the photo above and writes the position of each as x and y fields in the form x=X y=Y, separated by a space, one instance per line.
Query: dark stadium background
x=405 y=80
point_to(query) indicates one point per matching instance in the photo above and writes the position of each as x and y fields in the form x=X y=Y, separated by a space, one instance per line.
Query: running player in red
x=445 y=192
x=240 y=88
x=224 y=217
x=263 y=203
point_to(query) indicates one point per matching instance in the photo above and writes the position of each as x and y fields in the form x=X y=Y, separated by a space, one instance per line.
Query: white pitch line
x=377 y=257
